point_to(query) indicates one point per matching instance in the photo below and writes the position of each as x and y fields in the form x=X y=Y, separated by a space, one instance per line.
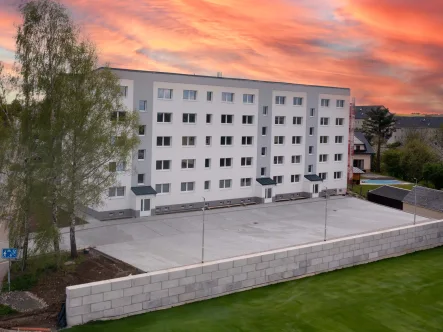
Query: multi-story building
x=224 y=141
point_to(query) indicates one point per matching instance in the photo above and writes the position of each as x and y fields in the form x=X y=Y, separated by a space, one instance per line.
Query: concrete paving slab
x=160 y=242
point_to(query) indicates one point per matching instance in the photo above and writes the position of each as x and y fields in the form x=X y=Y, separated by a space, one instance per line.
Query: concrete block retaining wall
x=137 y=294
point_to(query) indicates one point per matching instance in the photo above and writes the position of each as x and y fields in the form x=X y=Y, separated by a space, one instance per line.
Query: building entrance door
x=268 y=195
x=145 y=207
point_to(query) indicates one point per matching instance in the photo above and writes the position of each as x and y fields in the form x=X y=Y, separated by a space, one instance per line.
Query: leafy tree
x=379 y=127
x=415 y=154
x=392 y=162
x=433 y=173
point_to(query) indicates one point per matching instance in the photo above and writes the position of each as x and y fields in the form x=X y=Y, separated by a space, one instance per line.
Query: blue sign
x=9 y=253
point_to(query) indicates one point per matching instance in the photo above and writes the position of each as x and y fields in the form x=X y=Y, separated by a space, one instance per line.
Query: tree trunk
x=55 y=225
x=72 y=237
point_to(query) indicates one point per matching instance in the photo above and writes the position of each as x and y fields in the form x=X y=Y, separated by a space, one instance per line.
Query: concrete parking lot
x=161 y=242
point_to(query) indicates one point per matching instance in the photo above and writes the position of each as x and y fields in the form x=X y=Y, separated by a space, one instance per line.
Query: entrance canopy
x=266 y=181
x=313 y=178
x=143 y=190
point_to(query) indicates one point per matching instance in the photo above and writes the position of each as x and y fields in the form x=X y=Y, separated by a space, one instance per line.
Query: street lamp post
x=326 y=210
x=415 y=200
x=203 y=233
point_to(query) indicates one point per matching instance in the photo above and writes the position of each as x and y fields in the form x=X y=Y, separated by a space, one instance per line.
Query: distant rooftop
x=426 y=197
x=361 y=111
x=419 y=121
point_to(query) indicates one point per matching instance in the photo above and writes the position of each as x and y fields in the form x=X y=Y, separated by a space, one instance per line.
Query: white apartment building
x=213 y=141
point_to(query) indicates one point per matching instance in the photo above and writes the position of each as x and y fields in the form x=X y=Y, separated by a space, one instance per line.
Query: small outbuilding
x=388 y=196
x=429 y=202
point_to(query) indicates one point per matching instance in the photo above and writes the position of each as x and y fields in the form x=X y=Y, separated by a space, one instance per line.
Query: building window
x=118 y=116
x=140 y=179
x=228 y=97
x=296 y=159
x=338 y=157
x=323 y=176
x=163 y=188
x=279 y=140
x=207 y=185
x=310 y=149
x=295 y=178
x=279 y=120
x=339 y=121
x=324 y=121
x=189 y=95
x=208 y=140
x=296 y=139
x=208 y=118
x=310 y=168
x=226 y=140
x=279 y=160
x=164 y=140
x=265 y=110
x=246 y=161
x=164 y=93
x=263 y=151
x=263 y=131
x=278 y=179
x=141 y=130
x=263 y=171
x=311 y=131
x=188 y=140
x=325 y=103
x=142 y=105
x=246 y=140
x=323 y=158
x=164 y=117
x=124 y=90
x=207 y=162
x=337 y=175
x=112 y=166
x=280 y=100
x=120 y=166
x=187 y=186
x=189 y=117
x=340 y=103
x=141 y=154
x=298 y=101
x=225 y=184
x=297 y=120
x=227 y=118
x=338 y=139
x=247 y=119
x=324 y=139
x=248 y=98
x=163 y=165
x=245 y=182
x=312 y=112
x=188 y=163
x=225 y=162
x=116 y=191
x=209 y=96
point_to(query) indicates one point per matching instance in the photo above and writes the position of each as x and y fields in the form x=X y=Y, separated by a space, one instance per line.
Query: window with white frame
x=245 y=182
x=188 y=163
x=324 y=103
x=227 y=118
x=225 y=184
x=296 y=159
x=339 y=121
x=324 y=121
x=295 y=178
x=164 y=140
x=140 y=179
x=278 y=179
x=247 y=140
x=187 y=186
x=120 y=166
x=189 y=117
x=264 y=151
x=264 y=131
x=118 y=116
x=228 y=97
x=324 y=139
x=164 y=93
x=124 y=90
x=340 y=103
x=265 y=110
x=208 y=140
x=141 y=154
x=188 y=140
x=141 y=130
x=209 y=96
x=247 y=119
x=207 y=162
x=225 y=162
x=226 y=140
x=248 y=98
x=337 y=175
x=310 y=168
x=279 y=120
x=164 y=117
x=280 y=100
x=207 y=185
x=116 y=191
x=163 y=165
x=163 y=188
x=311 y=131
x=323 y=158
x=142 y=105
x=338 y=157
x=312 y=112
x=338 y=139
x=297 y=120
x=279 y=140
x=310 y=149
x=296 y=139
x=189 y=94
x=323 y=176
x=246 y=161
x=298 y=101
x=279 y=160
x=208 y=118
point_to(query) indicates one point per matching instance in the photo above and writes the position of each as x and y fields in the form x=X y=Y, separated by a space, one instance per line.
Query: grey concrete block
x=225 y=280
x=77 y=292
x=327 y=246
x=218 y=290
x=240 y=262
x=140 y=298
x=159 y=294
x=293 y=252
x=92 y=316
x=210 y=268
x=293 y=266
x=303 y=264
x=100 y=306
x=340 y=256
x=177 y=274
x=75 y=302
x=132 y=308
x=234 y=271
x=299 y=272
x=248 y=268
x=253 y=274
x=300 y=258
x=260 y=280
x=281 y=268
x=226 y=265
x=348 y=254
x=377 y=248
x=373 y=255
x=364 y=245
x=80 y=310
x=267 y=257
x=377 y=236
x=170 y=283
x=248 y=283
x=219 y=274
x=269 y=271
x=205 y=276
x=116 y=285
x=240 y=277
x=288 y=274
x=113 y=295
x=305 y=250
x=316 y=248
x=367 y=250
x=282 y=254
x=333 y=265
x=141 y=280
x=186 y=297
x=373 y=243
x=152 y=304
x=159 y=277
x=203 y=293
x=101 y=288
x=328 y=259
x=316 y=261
x=93 y=298
x=334 y=251
x=75 y=320
x=152 y=287
x=114 y=312
x=254 y=260
x=276 y=262
x=349 y=242
x=189 y=280
x=275 y=277
x=262 y=266
x=133 y=291
x=171 y=300
x=234 y=286
x=121 y=302
x=311 y=255
x=346 y=261
x=177 y=290
x=344 y=249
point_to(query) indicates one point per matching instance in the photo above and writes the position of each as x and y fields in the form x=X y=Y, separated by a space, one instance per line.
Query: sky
x=388 y=52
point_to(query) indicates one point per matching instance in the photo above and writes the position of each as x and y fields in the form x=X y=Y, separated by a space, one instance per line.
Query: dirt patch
x=52 y=287
x=22 y=301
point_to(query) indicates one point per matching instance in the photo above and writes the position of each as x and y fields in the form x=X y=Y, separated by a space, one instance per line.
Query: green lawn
x=363 y=189
x=400 y=294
